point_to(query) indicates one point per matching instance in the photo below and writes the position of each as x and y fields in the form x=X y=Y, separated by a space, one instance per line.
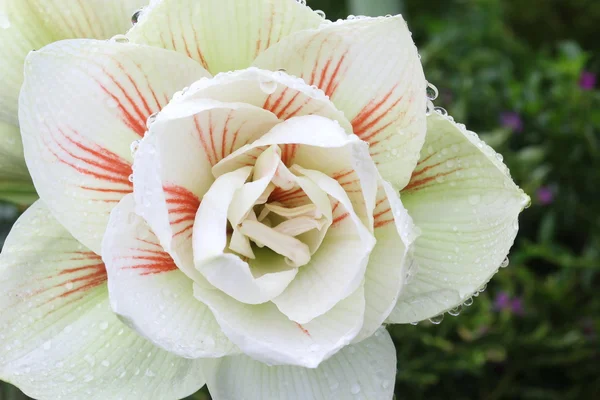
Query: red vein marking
x=333 y=83
x=339 y=175
x=363 y=122
x=200 y=54
x=303 y=329
x=139 y=125
x=340 y=218
x=225 y=133
x=420 y=183
x=155 y=265
x=137 y=90
x=273 y=107
x=287 y=106
x=381 y=224
x=289 y=153
x=203 y=141
x=182 y=207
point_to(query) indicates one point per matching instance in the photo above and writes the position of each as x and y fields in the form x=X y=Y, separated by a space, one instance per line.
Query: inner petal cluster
x=274 y=210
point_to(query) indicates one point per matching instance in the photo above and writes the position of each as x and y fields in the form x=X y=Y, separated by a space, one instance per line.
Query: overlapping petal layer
x=366 y=370
x=464 y=201
x=371 y=71
x=83 y=103
x=224 y=35
x=60 y=339
x=151 y=294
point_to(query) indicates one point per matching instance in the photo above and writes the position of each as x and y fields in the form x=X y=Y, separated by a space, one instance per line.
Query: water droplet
x=119 y=39
x=474 y=199
x=468 y=302
x=432 y=91
x=90 y=359
x=131 y=178
x=268 y=86
x=135 y=145
x=47 y=345
x=314 y=348
x=414 y=323
x=103 y=325
x=105 y=363
x=320 y=13
x=136 y=17
x=69 y=285
x=150 y=373
x=441 y=111
x=385 y=384
x=151 y=120
x=88 y=378
x=504 y=263
x=455 y=311
x=334 y=385
x=437 y=319
x=355 y=389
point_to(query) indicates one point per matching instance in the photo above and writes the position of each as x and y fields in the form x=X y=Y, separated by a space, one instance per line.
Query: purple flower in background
x=516 y=306
x=545 y=195
x=511 y=120
x=503 y=302
x=587 y=81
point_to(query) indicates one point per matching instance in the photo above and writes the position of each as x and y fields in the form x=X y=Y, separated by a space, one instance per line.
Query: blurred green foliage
x=489 y=57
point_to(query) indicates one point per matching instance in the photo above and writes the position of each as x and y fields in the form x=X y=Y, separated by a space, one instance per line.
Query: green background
x=488 y=58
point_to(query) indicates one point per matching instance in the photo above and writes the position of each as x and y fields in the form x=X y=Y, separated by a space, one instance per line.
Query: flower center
x=273 y=210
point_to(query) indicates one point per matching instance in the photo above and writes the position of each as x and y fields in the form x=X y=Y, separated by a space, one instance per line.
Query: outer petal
x=361 y=371
x=390 y=264
x=83 y=103
x=31 y=24
x=265 y=334
x=463 y=199
x=371 y=70
x=163 y=308
x=224 y=35
x=15 y=183
x=59 y=337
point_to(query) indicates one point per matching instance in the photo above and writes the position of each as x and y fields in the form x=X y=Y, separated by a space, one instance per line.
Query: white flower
x=261 y=241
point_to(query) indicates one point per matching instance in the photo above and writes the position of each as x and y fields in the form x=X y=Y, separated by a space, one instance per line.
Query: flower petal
x=227 y=271
x=172 y=168
x=390 y=263
x=265 y=334
x=60 y=339
x=365 y=370
x=136 y=262
x=337 y=268
x=371 y=70
x=224 y=35
x=82 y=105
x=463 y=199
x=30 y=25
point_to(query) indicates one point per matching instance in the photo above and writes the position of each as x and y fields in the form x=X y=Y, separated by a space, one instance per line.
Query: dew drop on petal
x=468 y=302
x=268 y=86
x=355 y=389
x=136 y=17
x=474 y=199
x=504 y=263
x=432 y=92
x=437 y=319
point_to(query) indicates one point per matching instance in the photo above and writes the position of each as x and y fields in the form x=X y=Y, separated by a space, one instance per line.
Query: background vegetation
x=522 y=74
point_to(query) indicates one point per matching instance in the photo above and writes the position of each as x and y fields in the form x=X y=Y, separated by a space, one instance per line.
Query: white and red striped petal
x=224 y=35
x=136 y=263
x=60 y=339
x=464 y=201
x=284 y=95
x=82 y=105
x=370 y=69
